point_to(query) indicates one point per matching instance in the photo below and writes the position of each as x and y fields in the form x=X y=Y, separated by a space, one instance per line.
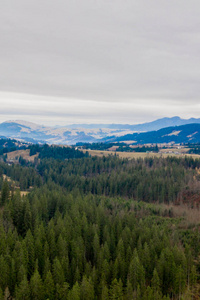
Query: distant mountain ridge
x=87 y=133
x=149 y=126
x=189 y=133
x=31 y=132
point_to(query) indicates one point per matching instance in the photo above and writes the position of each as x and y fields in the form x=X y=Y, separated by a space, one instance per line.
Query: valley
x=166 y=130
x=101 y=220
x=103 y=227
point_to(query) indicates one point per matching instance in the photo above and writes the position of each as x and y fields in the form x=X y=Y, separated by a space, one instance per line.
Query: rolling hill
x=92 y=133
x=189 y=133
x=31 y=132
x=148 y=126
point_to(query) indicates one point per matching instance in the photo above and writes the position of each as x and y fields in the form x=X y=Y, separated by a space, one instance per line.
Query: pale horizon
x=56 y=111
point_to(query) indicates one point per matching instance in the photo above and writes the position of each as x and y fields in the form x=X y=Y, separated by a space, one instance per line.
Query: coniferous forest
x=82 y=227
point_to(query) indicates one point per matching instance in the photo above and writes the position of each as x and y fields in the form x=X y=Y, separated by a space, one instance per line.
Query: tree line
x=59 y=245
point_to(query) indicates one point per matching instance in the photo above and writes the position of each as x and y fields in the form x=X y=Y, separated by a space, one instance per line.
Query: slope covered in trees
x=189 y=133
x=8 y=145
x=56 y=152
x=122 y=147
x=84 y=232
x=150 y=180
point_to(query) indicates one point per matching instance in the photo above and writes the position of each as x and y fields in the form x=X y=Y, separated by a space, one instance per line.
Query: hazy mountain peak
x=72 y=134
x=24 y=123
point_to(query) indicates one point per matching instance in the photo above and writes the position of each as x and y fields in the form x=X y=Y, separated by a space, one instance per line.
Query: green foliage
x=150 y=180
x=9 y=145
x=116 y=290
x=5 y=192
x=122 y=147
x=56 y=152
x=75 y=294
x=80 y=235
x=36 y=286
x=23 y=291
x=49 y=286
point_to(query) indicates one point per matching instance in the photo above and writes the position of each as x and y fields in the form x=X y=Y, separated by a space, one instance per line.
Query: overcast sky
x=99 y=61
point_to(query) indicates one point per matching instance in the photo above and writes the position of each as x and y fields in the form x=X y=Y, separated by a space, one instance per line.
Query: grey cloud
x=107 y=51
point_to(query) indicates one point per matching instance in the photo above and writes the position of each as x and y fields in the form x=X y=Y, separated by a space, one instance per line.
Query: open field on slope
x=131 y=155
x=178 y=150
x=23 y=153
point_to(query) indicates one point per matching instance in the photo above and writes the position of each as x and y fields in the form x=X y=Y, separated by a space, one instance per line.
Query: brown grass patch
x=177 y=150
x=190 y=215
x=5 y=177
x=128 y=155
x=131 y=155
x=14 y=156
x=113 y=148
x=24 y=193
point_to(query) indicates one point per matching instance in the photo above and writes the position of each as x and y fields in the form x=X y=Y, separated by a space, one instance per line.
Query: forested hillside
x=194 y=148
x=100 y=228
x=122 y=147
x=8 y=145
x=189 y=133
x=55 y=152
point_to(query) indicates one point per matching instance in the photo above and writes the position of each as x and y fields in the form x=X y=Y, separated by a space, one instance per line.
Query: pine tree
x=136 y=273
x=193 y=276
x=74 y=294
x=105 y=274
x=47 y=267
x=5 y=192
x=36 y=286
x=146 y=260
x=96 y=247
x=149 y=295
x=63 y=291
x=116 y=290
x=23 y=290
x=4 y=278
x=21 y=273
x=155 y=282
x=27 y=216
x=129 y=291
x=2 y=240
x=18 y=212
x=86 y=289
x=29 y=243
x=104 y=292
x=58 y=274
x=49 y=288
x=180 y=281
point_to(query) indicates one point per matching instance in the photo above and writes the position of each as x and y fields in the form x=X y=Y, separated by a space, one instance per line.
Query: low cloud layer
x=62 y=111
x=99 y=60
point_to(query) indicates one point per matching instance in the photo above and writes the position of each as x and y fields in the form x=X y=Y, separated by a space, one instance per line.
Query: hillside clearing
x=131 y=155
x=25 y=154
